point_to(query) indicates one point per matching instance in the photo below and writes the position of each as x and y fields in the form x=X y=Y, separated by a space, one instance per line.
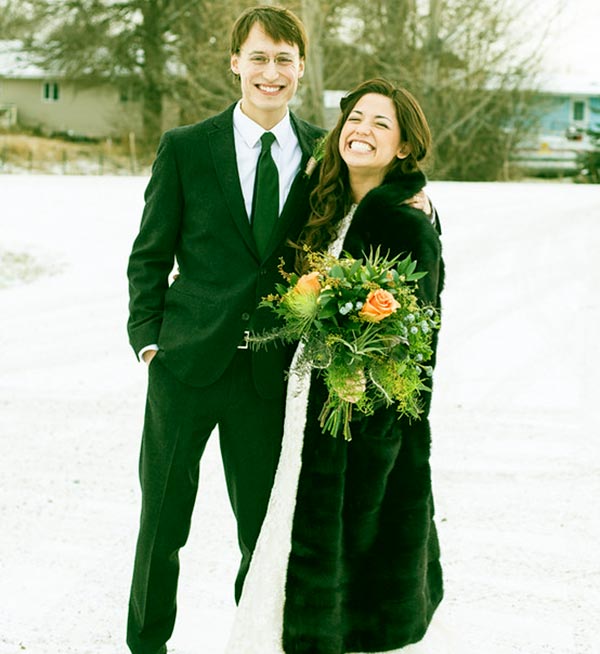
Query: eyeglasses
x=280 y=60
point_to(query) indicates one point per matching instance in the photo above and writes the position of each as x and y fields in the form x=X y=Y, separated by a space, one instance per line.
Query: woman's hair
x=330 y=201
x=279 y=23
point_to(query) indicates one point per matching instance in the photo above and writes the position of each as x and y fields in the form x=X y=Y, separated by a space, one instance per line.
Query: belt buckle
x=244 y=345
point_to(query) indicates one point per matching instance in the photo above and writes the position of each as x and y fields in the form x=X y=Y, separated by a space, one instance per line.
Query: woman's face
x=370 y=137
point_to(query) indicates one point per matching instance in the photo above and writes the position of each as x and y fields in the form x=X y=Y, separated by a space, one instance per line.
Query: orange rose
x=308 y=283
x=379 y=305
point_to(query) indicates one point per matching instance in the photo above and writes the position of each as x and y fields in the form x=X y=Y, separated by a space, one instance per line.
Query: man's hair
x=279 y=23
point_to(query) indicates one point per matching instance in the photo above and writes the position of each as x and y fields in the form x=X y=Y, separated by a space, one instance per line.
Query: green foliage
x=361 y=324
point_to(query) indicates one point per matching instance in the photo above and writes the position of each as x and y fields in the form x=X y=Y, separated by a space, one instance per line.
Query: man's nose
x=270 y=71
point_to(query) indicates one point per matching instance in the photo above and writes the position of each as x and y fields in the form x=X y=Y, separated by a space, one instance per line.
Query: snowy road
x=515 y=417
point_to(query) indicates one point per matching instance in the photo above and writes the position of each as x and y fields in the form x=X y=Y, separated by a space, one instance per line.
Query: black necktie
x=265 y=203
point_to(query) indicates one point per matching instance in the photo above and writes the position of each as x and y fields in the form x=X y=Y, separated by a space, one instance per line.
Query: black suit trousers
x=178 y=422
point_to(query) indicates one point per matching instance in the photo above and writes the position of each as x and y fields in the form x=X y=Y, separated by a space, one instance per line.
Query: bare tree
x=130 y=42
x=313 y=83
x=462 y=60
x=474 y=86
x=15 y=18
x=172 y=53
x=457 y=56
x=201 y=49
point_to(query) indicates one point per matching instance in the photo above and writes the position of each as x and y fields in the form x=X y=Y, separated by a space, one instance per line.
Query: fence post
x=132 y=154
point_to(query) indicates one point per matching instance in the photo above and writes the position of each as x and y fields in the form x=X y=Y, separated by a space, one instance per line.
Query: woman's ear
x=403 y=151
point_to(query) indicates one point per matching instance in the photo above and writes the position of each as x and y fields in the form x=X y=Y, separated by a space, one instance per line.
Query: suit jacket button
x=245 y=316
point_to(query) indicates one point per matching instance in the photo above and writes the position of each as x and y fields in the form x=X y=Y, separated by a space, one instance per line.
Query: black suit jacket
x=195 y=212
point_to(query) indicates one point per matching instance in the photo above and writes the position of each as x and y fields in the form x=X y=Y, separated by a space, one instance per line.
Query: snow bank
x=515 y=418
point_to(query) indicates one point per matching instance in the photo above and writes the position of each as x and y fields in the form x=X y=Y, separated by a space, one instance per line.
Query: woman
x=360 y=572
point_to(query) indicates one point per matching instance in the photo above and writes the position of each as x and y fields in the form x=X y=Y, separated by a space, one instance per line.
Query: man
x=208 y=208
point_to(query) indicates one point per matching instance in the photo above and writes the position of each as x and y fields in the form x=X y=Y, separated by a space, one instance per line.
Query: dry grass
x=37 y=154
x=20 y=267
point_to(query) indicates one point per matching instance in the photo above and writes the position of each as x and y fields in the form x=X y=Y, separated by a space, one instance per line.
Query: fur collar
x=396 y=188
x=388 y=197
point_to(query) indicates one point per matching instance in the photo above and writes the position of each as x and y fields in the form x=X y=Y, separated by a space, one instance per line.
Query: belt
x=244 y=345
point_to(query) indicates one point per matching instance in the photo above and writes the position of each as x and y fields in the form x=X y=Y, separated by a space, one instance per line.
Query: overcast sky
x=574 y=44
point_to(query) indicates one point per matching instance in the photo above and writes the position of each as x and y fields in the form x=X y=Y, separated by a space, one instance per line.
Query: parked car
x=555 y=155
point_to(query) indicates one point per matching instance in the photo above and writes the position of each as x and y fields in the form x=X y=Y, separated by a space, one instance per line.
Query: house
x=45 y=100
x=568 y=114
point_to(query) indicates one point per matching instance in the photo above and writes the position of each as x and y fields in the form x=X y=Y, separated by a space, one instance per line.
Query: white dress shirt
x=285 y=150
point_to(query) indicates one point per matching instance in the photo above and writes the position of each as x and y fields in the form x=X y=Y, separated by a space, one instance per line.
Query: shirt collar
x=251 y=131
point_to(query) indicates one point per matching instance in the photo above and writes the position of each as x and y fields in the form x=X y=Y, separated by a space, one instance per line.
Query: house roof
x=17 y=64
x=569 y=85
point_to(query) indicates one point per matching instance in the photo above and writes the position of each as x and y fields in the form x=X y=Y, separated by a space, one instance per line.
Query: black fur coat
x=364 y=572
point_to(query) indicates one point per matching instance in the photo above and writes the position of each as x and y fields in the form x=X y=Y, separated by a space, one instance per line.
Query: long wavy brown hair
x=332 y=198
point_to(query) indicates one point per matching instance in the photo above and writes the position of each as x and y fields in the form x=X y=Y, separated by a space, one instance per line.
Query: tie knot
x=267 y=140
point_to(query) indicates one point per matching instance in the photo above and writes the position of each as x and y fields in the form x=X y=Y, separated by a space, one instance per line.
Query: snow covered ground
x=515 y=417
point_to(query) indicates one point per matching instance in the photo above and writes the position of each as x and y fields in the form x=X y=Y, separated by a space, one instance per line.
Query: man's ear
x=301 y=68
x=233 y=63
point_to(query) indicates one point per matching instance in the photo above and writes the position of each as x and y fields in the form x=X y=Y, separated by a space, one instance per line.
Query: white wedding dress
x=258 y=622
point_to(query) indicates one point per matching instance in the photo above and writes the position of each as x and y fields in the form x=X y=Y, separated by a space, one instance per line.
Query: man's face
x=269 y=74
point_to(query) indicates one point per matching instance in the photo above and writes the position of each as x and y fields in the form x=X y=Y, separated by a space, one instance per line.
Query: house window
x=578 y=110
x=129 y=94
x=51 y=92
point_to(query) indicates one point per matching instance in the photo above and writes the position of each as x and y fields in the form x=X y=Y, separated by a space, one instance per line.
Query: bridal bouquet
x=362 y=326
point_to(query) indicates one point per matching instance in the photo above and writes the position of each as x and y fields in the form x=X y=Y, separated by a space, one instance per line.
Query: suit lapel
x=306 y=138
x=290 y=214
x=222 y=148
